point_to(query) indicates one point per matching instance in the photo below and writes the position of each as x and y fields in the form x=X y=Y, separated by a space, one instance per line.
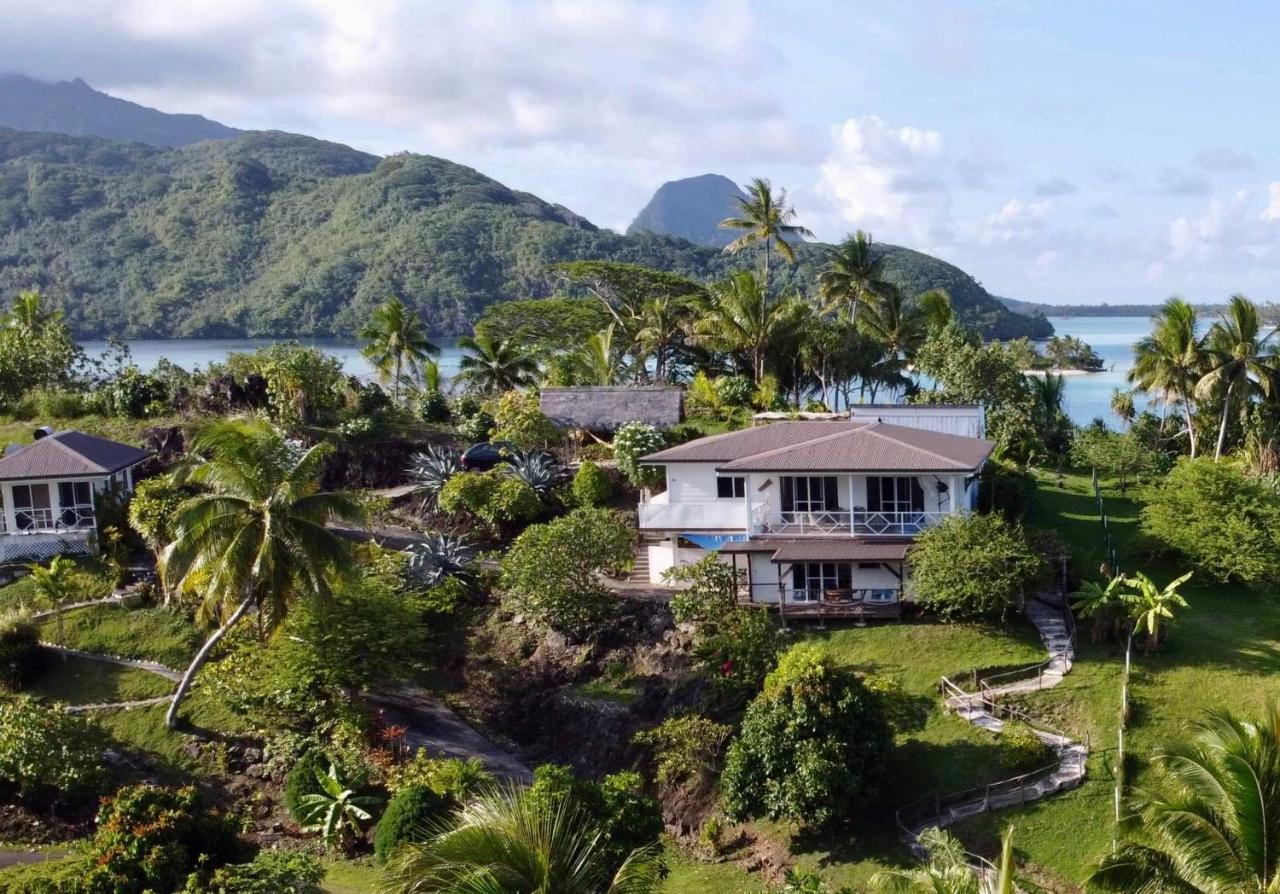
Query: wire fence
x=1108 y=543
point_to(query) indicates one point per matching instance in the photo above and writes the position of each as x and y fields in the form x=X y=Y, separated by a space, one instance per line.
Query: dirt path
x=434 y=726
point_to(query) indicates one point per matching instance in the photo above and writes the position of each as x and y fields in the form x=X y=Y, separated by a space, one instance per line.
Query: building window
x=809 y=580
x=31 y=507
x=731 y=487
x=901 y=493
x=75 y=502
x=810 y=493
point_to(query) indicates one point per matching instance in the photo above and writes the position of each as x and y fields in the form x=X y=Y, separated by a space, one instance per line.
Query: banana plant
x=1151 y=606
x=336 y=810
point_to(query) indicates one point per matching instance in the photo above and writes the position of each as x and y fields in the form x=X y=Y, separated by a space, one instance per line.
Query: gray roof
x=606 y=409
x=857 y=446
x=69 y=454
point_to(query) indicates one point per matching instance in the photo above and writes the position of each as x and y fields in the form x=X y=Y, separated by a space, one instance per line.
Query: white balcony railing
x=859 y=522
x=39 y=521
x=658 y=513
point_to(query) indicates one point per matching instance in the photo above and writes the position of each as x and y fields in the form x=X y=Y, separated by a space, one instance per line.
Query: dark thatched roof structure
x=601 y=409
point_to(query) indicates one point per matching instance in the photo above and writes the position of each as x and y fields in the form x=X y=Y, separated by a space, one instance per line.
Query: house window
x=730 y=487
x=31 y=508
x=75 y=501
x=900 y=493
x=810 y=493
x=809 y=580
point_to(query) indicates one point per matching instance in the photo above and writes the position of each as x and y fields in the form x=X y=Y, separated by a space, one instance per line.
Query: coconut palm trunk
x=202 y=657
x=1222 y=427
x=1191 y=428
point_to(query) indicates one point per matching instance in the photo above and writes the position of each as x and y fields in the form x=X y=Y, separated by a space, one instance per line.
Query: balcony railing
x=40 y=521
x=860 y=522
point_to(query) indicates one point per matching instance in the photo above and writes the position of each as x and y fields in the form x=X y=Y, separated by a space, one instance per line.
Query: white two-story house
x=816 y=512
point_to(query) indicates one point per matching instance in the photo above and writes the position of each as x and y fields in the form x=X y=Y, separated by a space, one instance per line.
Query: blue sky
x=1062 y=152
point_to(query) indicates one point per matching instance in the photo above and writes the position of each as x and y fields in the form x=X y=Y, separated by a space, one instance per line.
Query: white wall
x=967 y=422
x=691 y=482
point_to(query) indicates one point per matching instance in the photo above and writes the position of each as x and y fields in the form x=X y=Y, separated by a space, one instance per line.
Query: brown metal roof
x=874 y=447
x=606 y=409
x=749 y=442
x=69 y=454
x=822 y=549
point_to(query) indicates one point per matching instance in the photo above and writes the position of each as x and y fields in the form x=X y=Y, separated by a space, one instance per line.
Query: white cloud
x=1203 y=237
x=1015 y=222
x=888 y=180
x=1272 y=211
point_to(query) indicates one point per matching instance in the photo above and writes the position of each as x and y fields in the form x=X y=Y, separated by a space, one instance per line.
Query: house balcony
x=857 y=522
x=658 y=513
x=40 y=534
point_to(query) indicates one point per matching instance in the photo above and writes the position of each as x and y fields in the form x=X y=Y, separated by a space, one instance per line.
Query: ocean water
x=1087 y=396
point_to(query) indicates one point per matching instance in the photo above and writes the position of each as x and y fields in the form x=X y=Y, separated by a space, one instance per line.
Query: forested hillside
x=279 y=234
x=692 y=209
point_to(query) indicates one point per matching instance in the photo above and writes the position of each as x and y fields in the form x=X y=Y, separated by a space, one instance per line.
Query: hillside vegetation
x=275 y=234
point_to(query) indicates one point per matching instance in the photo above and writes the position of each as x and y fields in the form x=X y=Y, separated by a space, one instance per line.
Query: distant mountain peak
x=77 y=109
x=692 y=209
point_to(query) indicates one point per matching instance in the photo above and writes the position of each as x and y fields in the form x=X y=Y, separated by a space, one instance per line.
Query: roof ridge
x=817 y=439
x=56 y=439
x=741 y=432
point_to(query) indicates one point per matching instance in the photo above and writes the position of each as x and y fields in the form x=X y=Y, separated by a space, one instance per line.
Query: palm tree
x=397 y=343
x=507 y=842
x=949 y=870
x=1240 y=360
x=1212 y=822
x=1049 y=390
x=1170 y=360
x=661 y=321
x=55 y=587
x=739 y=318
x=1122 y=406
x=767 y=220
x=935 y=309
x=598 y=361
x=853 y=275
x=27 y=313
x=1150 y=606
x=257 y=537
x=494 y=365
x=896 y=322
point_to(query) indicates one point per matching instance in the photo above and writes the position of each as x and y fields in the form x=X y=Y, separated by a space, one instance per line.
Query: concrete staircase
x=640 y=570
x=977 y=707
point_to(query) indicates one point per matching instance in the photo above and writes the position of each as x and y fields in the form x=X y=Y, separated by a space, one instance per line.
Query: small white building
x=49 y=491
x=817 y=513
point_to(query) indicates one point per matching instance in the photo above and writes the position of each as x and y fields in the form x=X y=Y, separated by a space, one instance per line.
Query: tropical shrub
x=812 y=745
x=433 y=406
x=549 y=574
x=538 y=469
x=734 y=645
x=408 y=817
x=65 y=876
x=686 y=750
x=735 y=391
x=19 y=650
x=336 y=810
x=625 y=817
x=152 y=507
x=973 y=566
x=1221 y=519
x=518 y=418
x=1006 y=489
x=151 y=839
x=450 y=777
x=473 y=426
x=301 y=781
x=494 y=497
x=591 y=486
x=1021 y=750
x=632 y=441
x=1114 y=454
x=270 y=872
x=46 y=751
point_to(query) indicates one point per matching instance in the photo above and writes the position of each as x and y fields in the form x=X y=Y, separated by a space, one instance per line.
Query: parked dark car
x=484 y=456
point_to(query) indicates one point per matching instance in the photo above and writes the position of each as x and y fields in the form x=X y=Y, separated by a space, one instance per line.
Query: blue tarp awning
x=712 y=541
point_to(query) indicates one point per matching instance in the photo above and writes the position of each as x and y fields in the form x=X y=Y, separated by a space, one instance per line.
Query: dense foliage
x=45 y=751
x=270 y=872
x=496 y=497
x=1220 y=518
x=812 y=745
x=151 y=838
x=974 y=566
x=19 y=649
x=591 y=486
x=549 y=574
x=277 y=234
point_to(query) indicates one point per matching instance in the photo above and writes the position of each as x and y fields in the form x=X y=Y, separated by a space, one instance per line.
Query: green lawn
x=352 y=877
x=81 y=681
x=151 y=634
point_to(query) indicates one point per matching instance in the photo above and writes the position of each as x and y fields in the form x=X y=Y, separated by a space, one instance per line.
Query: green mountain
x=73 y=107
x=284 y=235
x=692 y=209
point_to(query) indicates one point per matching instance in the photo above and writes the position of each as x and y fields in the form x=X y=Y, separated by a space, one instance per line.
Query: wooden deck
x=834 y=605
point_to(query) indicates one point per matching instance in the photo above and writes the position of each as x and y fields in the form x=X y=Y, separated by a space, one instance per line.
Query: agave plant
x=440 y=555
x=336 y=809
x=432 y=468
x=538 y=469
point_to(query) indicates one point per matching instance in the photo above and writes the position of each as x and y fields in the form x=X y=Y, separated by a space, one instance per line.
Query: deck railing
x=44 y=521
x=861 y=522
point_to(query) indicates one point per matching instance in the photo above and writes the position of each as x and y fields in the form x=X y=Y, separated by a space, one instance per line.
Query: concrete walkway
x=434 y=726
x=1052 y=626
